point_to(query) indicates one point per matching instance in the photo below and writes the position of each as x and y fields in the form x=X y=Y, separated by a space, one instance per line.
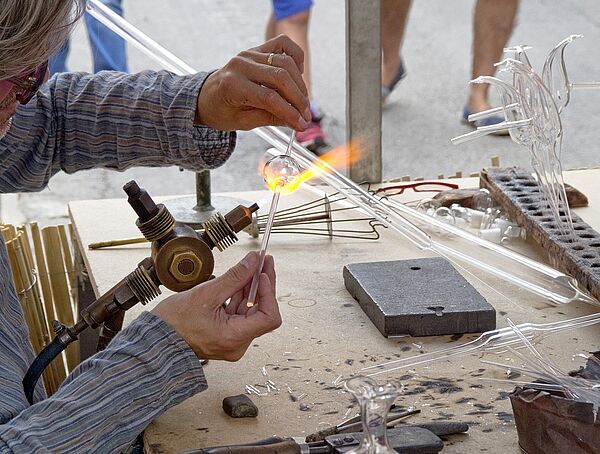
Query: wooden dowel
x=60 y=287
x=112 y=243
x=42 y=271
x=68 y=259
x=8 y=232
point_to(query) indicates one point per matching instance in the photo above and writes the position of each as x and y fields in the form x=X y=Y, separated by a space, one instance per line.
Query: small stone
x=349 y=361
x=240 y=406
x=304 y=407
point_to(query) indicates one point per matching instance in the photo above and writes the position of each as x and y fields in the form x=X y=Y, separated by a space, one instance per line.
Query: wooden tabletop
x=326 y=335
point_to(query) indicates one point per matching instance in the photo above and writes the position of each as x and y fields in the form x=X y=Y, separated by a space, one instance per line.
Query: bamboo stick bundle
x=45 y=310
x=24 y=297
x=27 y=289
x=60 y=287
x=29 y=283
x=36 y=307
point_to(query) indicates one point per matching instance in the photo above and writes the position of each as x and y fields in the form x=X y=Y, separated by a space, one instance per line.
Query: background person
x=108 y=48
x=291 y=18
x=493 y=23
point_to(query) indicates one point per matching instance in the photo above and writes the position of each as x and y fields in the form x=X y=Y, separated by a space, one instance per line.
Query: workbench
x=326 y=335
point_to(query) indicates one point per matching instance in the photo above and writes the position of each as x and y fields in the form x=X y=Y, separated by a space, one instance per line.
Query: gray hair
x=32 y=30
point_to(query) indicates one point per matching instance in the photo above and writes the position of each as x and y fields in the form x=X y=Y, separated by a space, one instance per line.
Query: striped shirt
x=79 y=121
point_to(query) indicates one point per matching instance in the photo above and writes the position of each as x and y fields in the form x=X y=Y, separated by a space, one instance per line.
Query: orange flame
x=337 y=158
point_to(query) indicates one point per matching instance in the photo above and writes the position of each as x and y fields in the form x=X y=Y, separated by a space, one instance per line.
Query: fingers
x=281 y=74
x=282 y=77
x=269 y=270
x=284 y=45
x=272 y=108
x=234 y=303
x=234 y=279
x=268 y=309
x=264 y=317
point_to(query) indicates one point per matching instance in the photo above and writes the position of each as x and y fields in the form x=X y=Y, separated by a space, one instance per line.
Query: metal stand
x=193 y=211
x=363 y=88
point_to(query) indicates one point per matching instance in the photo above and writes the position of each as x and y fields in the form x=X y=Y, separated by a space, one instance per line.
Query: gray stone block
x=422 y=297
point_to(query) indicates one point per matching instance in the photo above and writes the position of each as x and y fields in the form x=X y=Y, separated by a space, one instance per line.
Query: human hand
x=216 y=331
x=249 y=92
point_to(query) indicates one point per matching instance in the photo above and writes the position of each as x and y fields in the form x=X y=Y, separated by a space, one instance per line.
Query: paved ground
x=418 y=122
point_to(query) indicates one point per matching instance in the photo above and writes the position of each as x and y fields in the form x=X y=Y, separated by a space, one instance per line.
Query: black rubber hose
x=46 y=356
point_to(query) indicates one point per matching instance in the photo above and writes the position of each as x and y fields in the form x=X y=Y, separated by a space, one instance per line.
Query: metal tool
x=180 y=259
x=314 y=218
x=354 y=424
x=405 y=439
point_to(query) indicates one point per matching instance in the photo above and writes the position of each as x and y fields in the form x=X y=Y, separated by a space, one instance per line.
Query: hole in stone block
x=595 y=265
x=566 y=238
x=578 y=227
x=529 y=184
x=587 y=235
x=504 y=178
x=588 y=256
x=439 y=310
x=415 y=268
x=537 y=213
x=577 y=247
x=594 y=245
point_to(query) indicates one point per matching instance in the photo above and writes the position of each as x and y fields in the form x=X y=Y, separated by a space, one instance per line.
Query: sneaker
x=488 y=121
x=387 y=91
x=313 y=138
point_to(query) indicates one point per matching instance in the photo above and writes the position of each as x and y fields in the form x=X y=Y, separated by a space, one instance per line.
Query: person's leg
x=58 y=62
x=108 y=49
x=493 y=23
x=271 y=30
x=394 y=14
x=296 y=27
x=291 y=17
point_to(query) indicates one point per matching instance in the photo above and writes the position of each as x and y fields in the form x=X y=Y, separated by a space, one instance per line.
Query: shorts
x=287 y=8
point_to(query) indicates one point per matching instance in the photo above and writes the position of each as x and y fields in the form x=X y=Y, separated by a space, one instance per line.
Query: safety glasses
x=27 y=84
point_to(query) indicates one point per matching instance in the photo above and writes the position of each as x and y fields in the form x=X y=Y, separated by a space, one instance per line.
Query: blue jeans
x=108 y=49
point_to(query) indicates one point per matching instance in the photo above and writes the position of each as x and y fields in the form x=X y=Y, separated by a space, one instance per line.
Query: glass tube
x=496 y=341
x=137 y=38
x=531 y=275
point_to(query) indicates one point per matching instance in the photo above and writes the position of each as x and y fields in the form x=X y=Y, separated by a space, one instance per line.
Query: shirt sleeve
x=111 y=397
x=79 y=121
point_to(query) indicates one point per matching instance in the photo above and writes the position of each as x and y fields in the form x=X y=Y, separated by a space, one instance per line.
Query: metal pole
x=363 y=88
x=203 y=198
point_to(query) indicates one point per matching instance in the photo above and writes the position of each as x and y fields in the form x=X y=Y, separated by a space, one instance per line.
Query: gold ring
x=270 y=59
